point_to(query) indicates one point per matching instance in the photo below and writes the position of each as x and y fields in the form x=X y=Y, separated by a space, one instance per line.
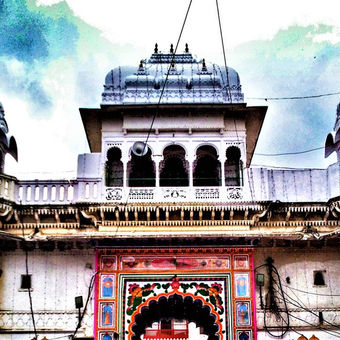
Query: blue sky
x=54 y=56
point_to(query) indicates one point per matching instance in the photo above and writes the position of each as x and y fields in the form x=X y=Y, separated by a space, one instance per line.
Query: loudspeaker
x=140 y=149
x=78 y=301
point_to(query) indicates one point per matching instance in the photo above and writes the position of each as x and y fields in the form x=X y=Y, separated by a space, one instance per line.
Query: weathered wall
x=304 y=299
x=57 y=278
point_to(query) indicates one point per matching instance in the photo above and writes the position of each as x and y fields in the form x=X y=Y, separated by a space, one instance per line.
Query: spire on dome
x=186 y=80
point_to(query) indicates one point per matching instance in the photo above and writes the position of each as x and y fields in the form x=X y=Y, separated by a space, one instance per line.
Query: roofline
x=254 y=117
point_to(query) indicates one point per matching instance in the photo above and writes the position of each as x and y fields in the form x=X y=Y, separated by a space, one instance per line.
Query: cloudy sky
x=54 y=56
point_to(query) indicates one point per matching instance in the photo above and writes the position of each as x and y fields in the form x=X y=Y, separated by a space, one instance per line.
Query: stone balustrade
x=91 y=190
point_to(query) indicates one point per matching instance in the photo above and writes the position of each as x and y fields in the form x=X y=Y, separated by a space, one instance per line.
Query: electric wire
x=167 y=75
x=224 y=54
x=271 y=266
x=310 y=293
x=288 y=153
x=295 y=303
x=295 y=97
x=30 y=296
x=162 y=92
x=316 y=326
x=90 y=289
x=29 y=289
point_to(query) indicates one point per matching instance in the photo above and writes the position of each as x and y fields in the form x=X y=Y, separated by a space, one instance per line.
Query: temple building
x=168 y=232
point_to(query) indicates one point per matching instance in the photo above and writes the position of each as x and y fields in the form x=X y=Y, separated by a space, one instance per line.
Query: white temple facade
x=167 y=223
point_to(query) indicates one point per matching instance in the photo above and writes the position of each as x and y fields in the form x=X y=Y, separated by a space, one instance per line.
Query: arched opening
x=2 y=162
x=141 y=171
x=179 y=308
x=174 y=167
x=207 y=168
x=114 y=168
x=233 y=167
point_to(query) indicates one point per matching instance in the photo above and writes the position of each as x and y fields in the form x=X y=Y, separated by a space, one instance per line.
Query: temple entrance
x=170 y=317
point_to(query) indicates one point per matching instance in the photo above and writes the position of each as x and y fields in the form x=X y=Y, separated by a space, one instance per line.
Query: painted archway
x=179 y=306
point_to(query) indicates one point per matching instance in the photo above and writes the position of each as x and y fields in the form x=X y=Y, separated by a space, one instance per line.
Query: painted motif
x=108 y=262
x=107 y=286
x=106 y=336
x=144 y=275
x=136 y=295
x=212 y=292
x=241 y=285
x=244 y=335
x=241 y=262
x=174 y=263
x=243 y=313
x=106 y=311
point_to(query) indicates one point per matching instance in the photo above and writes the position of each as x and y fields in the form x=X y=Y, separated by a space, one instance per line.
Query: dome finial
x=204 y=66
x=156 y=48
x=171 y=48
x=186 y=48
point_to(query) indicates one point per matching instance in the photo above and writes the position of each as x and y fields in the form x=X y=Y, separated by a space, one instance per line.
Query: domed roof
x=186 y=81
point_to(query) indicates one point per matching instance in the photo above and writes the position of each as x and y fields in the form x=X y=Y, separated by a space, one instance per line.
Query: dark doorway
x=174 y=167
x=176 y=307
x=141 y=171
x=207 y=168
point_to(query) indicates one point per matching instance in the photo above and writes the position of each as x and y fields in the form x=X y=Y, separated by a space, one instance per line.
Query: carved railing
x=40 y=192
x=174 y=194
x=57 y=191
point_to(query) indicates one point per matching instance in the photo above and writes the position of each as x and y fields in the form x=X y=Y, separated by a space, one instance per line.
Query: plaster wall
x=57 y=278
x=304 y=299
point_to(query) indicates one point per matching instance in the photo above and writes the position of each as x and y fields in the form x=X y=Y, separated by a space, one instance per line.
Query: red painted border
x=95 y=328
x=254 y=296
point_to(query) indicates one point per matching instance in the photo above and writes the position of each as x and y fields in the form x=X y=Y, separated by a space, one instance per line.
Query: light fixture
x=260 y=280
x=140 y=149
x=79 y=304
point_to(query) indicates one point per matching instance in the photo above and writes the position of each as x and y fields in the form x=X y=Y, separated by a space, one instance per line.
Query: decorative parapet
x=176 y=194
x=56 y=321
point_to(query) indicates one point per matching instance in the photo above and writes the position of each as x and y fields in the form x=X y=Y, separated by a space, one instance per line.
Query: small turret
x=7 y=143
x=333 y=143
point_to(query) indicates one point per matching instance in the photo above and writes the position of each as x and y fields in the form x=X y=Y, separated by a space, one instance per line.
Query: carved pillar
x=157 y=161
x=190 y=157
x=125 y=160
x=222 y=160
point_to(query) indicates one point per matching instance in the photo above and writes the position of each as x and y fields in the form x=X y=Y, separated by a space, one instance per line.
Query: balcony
x=59 y=192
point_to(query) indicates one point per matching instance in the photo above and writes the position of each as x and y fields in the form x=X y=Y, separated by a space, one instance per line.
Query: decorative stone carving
x=141 y=194
x=175 y=193
x=114 y=194
x=211 y=193
x=234 y=193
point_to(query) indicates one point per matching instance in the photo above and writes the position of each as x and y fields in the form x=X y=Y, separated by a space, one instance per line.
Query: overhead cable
x=296 y=97
x=288 y=153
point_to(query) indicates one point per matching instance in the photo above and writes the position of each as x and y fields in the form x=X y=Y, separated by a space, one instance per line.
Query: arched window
x=174 y=168
x=207 y=168
x=141 y=171
x=2 y=162
x=233 y=167
x=114 y=168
